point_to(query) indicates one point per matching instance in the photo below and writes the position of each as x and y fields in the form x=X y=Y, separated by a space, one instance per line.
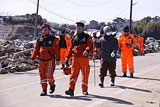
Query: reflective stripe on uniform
x=49 y=79
x=73 y=80
x=43 y=81
x=49 y=68
x=131 y=71
x=85 y=74
x=84 y=83
x=124 y=70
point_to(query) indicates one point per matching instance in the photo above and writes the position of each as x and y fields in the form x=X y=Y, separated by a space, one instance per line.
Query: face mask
x=108 y=33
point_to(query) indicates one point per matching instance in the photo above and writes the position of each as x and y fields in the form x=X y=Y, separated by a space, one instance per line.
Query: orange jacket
x=140 y=40
x=127 y=43
x=67 y=39
x=80 y=43
x=46 y=48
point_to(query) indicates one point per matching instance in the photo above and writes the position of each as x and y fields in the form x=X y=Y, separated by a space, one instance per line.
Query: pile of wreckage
x=15 y=56
x=150 y=46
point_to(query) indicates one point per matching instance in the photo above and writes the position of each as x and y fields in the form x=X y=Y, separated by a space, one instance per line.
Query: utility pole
x=35 y=29
x=130 y=25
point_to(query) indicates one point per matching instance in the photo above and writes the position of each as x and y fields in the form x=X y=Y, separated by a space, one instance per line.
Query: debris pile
x=15 y=57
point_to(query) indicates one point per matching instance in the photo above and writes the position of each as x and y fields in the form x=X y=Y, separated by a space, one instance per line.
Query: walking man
x=64 y=45
x=126 y=44
x=79 y=50
x=109 y=46
x=46 y=48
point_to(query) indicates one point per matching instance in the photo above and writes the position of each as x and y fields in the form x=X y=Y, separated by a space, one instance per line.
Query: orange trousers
x=46 y=69
x=127 y=59
x=78 y=64
x=63 y=54
x=141 y=49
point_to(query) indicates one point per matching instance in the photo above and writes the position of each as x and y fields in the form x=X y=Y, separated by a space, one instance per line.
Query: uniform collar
x=45 y=36
x=127 y=35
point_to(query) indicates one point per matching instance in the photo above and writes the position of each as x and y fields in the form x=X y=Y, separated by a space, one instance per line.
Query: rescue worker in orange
x=64 y=45
x=46 y=48
x=141 y=44
x=79 y=50
x=126 y=44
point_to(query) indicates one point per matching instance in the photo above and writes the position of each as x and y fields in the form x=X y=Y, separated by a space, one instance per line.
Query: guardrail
x=15 y=54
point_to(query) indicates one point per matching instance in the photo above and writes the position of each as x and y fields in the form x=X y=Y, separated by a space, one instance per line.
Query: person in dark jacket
x=109 y=46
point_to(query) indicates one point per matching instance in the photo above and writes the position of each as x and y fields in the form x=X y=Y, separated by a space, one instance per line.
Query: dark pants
x=111 y=66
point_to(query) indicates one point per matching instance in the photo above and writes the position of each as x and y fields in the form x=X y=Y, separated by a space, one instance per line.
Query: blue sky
x=100 y=10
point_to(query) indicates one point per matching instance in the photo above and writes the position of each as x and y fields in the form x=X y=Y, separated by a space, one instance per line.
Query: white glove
x=85 y=53
x=113 y=54
x=32 y=62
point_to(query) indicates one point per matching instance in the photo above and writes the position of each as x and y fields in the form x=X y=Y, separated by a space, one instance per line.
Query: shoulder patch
x=57 y=43
x=50 y=42
x=90 y=40
x=84 y=39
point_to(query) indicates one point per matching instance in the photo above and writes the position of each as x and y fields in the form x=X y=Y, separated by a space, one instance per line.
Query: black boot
x=67 y=64
x=52 y=89
x=131 y=75
x=125 y=74
x=85 y=93
x=102 y=80
x=69 y=92
x=113 y=80
x=44 y=93
x=62 y=66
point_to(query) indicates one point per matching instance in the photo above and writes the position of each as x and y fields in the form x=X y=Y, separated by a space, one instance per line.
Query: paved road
x=23 y=89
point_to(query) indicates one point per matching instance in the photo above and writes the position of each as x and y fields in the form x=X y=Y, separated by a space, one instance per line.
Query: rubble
x=15 y=57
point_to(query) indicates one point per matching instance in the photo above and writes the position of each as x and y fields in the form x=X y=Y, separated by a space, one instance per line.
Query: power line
x=104 y=3
x=124 y=10
x=53 y=13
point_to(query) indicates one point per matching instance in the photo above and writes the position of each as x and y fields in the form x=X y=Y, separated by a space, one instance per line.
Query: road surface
x=22 y=89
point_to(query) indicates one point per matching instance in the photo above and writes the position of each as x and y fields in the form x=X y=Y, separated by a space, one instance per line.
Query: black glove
x=128 y=45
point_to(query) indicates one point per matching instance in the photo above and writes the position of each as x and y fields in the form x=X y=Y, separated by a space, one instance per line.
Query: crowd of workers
x=77 y=49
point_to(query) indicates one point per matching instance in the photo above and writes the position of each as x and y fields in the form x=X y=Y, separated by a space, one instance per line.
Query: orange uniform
x=126 y=44
x=64 y=45
x=80 y=43
x=140 y=44
x=47 y=47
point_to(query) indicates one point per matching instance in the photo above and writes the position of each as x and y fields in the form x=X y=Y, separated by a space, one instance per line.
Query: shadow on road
x=141 y=78
x=115 y=100
x=72 y=98
x=136 y=89
x=92 y=96
x=147 y=78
